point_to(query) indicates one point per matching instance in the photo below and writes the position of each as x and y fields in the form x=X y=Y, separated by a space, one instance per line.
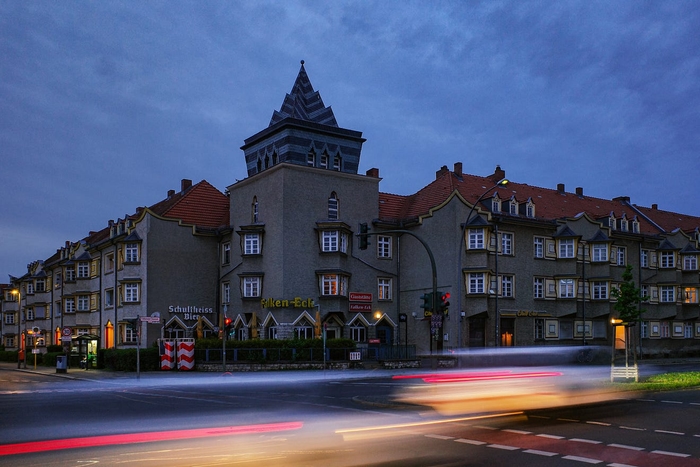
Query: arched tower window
x=333 y=206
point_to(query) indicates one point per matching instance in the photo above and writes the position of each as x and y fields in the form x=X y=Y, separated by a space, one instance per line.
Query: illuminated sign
x=360 y=297
x=360 y=307
x=296 y=302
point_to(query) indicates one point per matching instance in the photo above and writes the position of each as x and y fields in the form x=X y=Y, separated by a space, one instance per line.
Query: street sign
x=66 y=332
x=150 y=319
x=360 y=297
x=355 y=355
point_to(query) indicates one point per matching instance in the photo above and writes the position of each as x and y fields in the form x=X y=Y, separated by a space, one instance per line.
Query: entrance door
x=385 y=334
x=477 y=331
x=507 y=332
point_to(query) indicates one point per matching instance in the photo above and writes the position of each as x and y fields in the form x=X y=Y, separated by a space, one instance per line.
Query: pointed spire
x=304 y=103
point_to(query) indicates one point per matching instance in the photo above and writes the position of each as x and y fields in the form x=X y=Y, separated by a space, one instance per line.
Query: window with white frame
x=690 y=263
x=513 y=207
x=506 y=243
x=109 y=262
x=69 y=305
x=324 y=161
x=539 y=247
x=131 y=292
x=131 y=253
x=600 y=290
x=333 y=206
x=334 y=241
x=251 y=286
x=83 y=303
x=70 y=273
x=9 y=318
x=109 y=298
x=623 y=225
x=538 y=287
x=621 y=256
x=251 y=244
x=566 y=248
x=668 y=259
x=644 y=259
x=688 y=330
x=476 y=239
x=334 y=285
x=383 y=246
x=29 y=313
x=83 y=270
x=255 y=213
x=566 y=288
x=311 y=159
x=599 y=252
x=226 y=253
x=384 y=288
x=226 y=292
x=507 y=286
x=40 y=285
x=358 y=333
x=635 y=226
x=30 y=288
x=495 y=204
x=476 y=283
x=667 y=294
x=665 y=329
x=336 y=163
x=304 y=330
x=644 y=291
x=530 y=210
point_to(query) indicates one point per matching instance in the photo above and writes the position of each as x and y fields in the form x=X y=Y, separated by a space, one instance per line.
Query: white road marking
x=502 y=446
x=587 y=460
x=470 y=441
x=624 y=446
x=675 y=454
x=541 y=453
x=589 y=441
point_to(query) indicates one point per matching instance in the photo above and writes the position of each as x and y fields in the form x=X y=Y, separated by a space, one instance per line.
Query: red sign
x=360 y=307
x=375 y=341
x=360 y=297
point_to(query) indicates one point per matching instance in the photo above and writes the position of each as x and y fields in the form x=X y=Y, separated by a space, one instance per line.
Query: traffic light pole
x=366 y=234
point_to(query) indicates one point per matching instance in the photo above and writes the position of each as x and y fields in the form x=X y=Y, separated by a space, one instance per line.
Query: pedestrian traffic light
x=364 y=237
x=427 y=304
x=444 y=304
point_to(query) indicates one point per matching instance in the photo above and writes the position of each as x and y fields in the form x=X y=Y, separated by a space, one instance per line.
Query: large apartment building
x=278 y=253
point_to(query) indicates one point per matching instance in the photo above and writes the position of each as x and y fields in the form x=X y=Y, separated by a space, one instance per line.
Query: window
x=538 y=287
x=131 y=253
x=476 y=283
x=566 y=288
x=109 y=298
x=665 y=329
x=226 y=292
x=635 y=226
x=9 y=318
x=621 y=256
x=70 y=273
x=600 y=252
x=539 y=328
x=226 y=253
x=324 y=160
x=476 y=239
x=530 y=210
x=255 y=214
x=358 y=333
x=29 y=313
x=251 y=286
x=383 y=246
x=69 y=305
x=384 y=288
x=83 y=270
x=304 y=331
x=251 y=244
x=513 y=208
x=690 y=295
x=623 y=225
x=495 y=204
x=40 y=285
x=311 y=159
x=83 y=303
x=336 y=163
x=644 y=260
x=690 y=263
x=667 y=259
x=539 y=247
x=667 y=294
x=131 y=293
x=334 y=241
x=507 y=286
x=600 y=290
x=333 y=206
x=30 y=288
x=334 y=284
x=506 y=244
x=644 y=291
x=109 y=262
x=566 y=248
x=129 y=334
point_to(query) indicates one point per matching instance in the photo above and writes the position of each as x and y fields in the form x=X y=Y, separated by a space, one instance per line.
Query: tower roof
x=304 y=103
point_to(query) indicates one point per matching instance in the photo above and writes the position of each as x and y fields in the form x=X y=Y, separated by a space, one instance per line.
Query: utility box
x=61 y=363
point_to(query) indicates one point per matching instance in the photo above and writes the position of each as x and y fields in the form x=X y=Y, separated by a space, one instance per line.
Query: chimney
x=171 y=193
x=579 y=191
x=655 y=206
x=458 y=169
x=560 y=188
x=442 y=170
x=185 y=184
x=498 y=174
x=373 y=172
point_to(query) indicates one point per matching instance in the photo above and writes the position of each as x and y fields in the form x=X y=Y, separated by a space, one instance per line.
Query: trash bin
x=61 y=363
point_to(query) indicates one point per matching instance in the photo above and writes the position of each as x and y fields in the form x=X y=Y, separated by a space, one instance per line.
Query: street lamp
x=23 y=335
x=462 y=241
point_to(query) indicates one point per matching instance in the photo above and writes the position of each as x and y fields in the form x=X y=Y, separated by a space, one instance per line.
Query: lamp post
x=22 y=348
x=462 y=241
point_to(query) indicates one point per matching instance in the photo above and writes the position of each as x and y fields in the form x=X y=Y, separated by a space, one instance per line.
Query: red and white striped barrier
x=185 y=354
x=167 y=355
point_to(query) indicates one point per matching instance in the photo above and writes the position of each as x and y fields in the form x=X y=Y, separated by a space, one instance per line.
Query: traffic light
x=444 y=303
x=228 y=326
x=427 y=304
x=364 y=237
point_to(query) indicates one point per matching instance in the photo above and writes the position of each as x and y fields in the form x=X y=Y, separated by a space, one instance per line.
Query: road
x=319 y=419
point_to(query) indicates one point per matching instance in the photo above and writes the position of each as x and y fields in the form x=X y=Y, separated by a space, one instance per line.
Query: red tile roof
x=550 y=204
x=201 y=205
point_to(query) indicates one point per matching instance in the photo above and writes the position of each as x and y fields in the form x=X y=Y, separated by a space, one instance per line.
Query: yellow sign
x=297 y=302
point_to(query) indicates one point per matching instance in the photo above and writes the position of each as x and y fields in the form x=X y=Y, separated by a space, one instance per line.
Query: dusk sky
x=107 y=105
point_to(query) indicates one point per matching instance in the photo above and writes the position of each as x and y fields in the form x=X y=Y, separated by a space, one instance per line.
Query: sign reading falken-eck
x=296 y=302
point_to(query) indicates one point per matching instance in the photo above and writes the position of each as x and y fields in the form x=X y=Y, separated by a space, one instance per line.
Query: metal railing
x=273 y=355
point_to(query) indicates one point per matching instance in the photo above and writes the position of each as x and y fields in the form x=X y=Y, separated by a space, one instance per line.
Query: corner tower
x=304 y=132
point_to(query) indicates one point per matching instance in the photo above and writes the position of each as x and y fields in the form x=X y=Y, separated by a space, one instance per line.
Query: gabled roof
x=201 y=205
x=550 y=204
x=304 y=103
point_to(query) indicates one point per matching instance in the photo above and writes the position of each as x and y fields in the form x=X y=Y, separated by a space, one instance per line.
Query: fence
x=380 y=352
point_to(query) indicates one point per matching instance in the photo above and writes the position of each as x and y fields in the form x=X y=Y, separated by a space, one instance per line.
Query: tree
x=628 y=299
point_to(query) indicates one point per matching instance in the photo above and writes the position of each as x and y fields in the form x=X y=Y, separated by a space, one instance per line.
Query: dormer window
x=624 y=225
x=530 y=209
x=635 y=226
x=311 y=159
x=495 y=203
x=611 y=222
x=324 y=161
x=336 y=163
x=513 y=207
